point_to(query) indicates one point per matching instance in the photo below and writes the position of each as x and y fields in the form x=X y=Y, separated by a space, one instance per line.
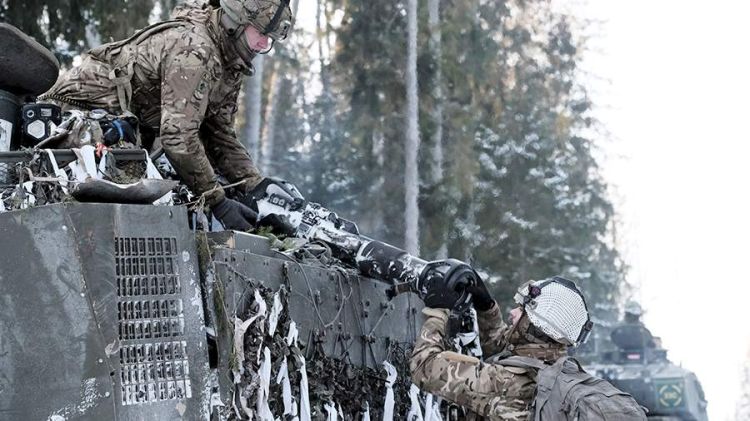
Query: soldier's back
x=136 y=64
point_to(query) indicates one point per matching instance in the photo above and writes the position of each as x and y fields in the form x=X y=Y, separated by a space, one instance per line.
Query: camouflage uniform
x=181 y=79
x=492 y=391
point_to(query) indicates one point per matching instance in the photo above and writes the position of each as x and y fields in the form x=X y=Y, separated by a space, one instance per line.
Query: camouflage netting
x=39 y=180
x=18 y=188
x=333 y=385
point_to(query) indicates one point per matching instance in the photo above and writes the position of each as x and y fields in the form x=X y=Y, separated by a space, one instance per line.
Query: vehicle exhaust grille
x=150 y=314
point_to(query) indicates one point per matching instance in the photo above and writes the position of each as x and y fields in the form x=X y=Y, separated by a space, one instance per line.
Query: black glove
x=279 y=224
x=437 y=293
x=120 y=130
x=441 y=297
x=284 y=194
x=480 y=296
x=234 y=215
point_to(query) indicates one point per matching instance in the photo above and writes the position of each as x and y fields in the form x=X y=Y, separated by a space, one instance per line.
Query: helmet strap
x=276 y=17
x=244 y=51
x=509 y=333
x=235 y=34
x=270 y=47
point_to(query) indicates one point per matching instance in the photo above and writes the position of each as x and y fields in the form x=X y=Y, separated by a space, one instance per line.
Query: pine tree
x=67 y=27
x=368 y=103
x=522 y=191
x=253 y=107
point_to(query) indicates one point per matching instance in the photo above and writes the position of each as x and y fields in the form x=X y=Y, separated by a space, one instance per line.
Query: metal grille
x=153 y=353
x=8 y=174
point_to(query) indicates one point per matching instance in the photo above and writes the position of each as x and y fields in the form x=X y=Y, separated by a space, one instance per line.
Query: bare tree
x=411 y=173
x=268 y=138
x=269 y=129
x=436 y=49
x=253 y=105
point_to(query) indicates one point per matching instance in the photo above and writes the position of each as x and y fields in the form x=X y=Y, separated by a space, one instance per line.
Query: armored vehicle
x=115 y=311
x=122 y=312
x=668 y=391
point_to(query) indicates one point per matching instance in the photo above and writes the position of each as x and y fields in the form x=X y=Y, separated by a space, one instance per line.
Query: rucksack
x=565 y=391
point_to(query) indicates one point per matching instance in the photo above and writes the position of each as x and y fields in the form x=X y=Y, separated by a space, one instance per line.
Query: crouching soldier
x=550 y=317
x=179 y=79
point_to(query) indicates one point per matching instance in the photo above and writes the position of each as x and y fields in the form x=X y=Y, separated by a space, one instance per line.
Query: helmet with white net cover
x=556 y=307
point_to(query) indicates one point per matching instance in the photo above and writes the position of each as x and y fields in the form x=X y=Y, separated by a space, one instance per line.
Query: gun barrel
x=388 y=263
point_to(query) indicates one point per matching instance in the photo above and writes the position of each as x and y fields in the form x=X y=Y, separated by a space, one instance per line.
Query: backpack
x=565 y=391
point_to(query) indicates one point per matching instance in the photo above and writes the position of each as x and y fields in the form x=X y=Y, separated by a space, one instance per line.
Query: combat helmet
x=557 y=308
x=272 y=18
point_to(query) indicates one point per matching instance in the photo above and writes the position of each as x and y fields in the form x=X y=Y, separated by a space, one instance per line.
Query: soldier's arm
x=492 y=329
x=186 y=83
x=487 y=389
x=229 y=156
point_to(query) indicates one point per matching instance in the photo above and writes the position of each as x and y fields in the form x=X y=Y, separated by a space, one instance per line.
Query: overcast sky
x=672 y=82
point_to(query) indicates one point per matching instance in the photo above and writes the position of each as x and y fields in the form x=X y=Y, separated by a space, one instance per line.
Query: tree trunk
x=436 y=49
x=411 y=173
x=269 y=130
x=253 y=108
x=323 y=39
x=378 y=151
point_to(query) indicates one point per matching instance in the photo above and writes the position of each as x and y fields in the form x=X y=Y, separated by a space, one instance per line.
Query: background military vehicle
x=668 y=391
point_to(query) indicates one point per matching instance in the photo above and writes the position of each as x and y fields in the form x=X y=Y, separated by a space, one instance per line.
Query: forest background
x=507 y=169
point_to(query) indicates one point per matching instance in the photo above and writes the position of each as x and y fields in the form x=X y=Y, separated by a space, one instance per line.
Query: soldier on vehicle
x=632 y=335
x=180 y=78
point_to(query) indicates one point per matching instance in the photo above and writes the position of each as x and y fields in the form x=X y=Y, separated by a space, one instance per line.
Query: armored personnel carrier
x=115 y=311
x=122 y=312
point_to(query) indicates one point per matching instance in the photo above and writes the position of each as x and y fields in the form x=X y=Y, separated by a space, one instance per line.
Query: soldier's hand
x=438 y=293
x=233 y=215
x=480 y=296
x=278 y=224
x=441 y=297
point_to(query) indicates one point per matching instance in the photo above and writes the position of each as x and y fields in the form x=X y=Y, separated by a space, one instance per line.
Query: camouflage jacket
x=491 y=391
x=181 y=78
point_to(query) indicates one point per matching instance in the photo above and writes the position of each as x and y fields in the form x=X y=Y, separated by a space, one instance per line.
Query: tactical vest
x=125 y=52
x=119 y=57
